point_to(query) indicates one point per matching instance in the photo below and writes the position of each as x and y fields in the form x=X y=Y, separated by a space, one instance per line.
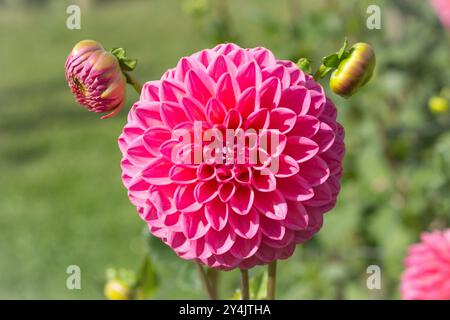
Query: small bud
x=95 y=78
x=354 y=71
x=438 y=105
x=304 y=64
x=117 y=290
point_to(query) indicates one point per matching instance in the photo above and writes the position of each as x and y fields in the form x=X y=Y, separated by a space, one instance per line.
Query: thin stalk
x=245 y=289
x=205 y=281
x=272 y=280
x=134 y=83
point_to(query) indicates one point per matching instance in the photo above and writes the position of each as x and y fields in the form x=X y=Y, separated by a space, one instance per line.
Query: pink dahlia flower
x=229 y=209
x=95 y=78
x=442 y=9
x=427 y=273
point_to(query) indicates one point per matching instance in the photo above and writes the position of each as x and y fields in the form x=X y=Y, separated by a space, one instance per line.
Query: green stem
x=205 y=281
x=271 y=281
x=245 y=289
x=134 y=83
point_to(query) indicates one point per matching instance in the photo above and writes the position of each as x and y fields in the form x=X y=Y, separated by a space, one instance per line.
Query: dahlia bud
x=95 y=78
x=117 y=290
x=354 y=71
x=438 y=105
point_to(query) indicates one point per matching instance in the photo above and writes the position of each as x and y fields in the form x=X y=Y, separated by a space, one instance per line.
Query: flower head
x=442 y=9
x=427 y=273
x=95 y=78
x=233 y=157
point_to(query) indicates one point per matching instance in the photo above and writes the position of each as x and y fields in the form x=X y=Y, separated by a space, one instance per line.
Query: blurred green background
x=61 y=198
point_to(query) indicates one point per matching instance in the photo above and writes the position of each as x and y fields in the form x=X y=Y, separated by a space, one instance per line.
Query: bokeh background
x=61 y=198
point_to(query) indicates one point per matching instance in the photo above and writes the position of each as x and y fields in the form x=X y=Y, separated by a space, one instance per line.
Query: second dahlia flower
x=95 y=78
x=427 y=273
x=199 y=198
x=442 y=9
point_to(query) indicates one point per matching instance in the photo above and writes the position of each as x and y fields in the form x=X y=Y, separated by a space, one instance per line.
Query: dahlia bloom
x=427 y=273
x=220 y=211
x=95 y=78
x=442 y=9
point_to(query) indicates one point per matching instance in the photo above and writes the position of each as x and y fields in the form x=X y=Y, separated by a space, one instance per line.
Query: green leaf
x=147 y=282
x=331 y=61
x=343 y=51
x=125 y=63
x=258 y=286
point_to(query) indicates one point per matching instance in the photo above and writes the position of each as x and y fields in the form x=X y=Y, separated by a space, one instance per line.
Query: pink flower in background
x=95 y=78
x=442 y=9
x=229 y=214
x=427 y=274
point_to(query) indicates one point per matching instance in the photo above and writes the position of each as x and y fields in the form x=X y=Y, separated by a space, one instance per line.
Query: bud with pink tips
x=95 y=77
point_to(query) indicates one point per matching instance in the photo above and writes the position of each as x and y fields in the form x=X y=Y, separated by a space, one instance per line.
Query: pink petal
x=305 y=126
x=315 y=171
x=300 y=148
x=206 y=191
x=162 y=198
x=195 y=224
x=272 y=229
x=206 y=172
x=157 y=171
x=154 y=137
x=245 y=226
x=322 y=196
x=264 y=181
x=193 y=109
x=324 y=137
x=248 y=102
x=287 y=167
x=282 y=119
x=171 y=91
x=270 y=93
x=182 y=174
x=199 y=85
x=279 y=72
x=295 y=188
x=215 y=111
x=216 y=213
x=249 y=75
x=220 y=66
x=271 y=204
x=257 y=120
x=150 y=91
x=172 y=114
x=296 y=98
x=226 y=191
x=242 y=200
x=227 y=91
x=220 y=242
x=233 y=119
x=297 y=217
x=245 y=248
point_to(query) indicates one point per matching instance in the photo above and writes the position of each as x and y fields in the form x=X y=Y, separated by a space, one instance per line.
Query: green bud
x=304 y=64
x=438 y=105
x=354 y=71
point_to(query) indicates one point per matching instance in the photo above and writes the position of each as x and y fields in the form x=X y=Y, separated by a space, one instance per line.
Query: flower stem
x=205 y=281
x=271 y=281
x=134 y=83
x=245 y=290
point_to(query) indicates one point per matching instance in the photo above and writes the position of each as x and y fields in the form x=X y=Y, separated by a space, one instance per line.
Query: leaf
x=147 y=283
x=331 y=61
x=258 y=286
x=342 y=54
x=125 y=63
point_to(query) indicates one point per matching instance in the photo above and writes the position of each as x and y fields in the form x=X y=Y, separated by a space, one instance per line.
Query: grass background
x=61 y=198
